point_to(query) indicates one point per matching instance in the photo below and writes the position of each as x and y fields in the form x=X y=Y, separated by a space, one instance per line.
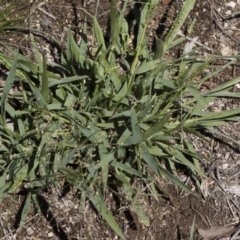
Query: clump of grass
x=9 y=13
x=110 y=125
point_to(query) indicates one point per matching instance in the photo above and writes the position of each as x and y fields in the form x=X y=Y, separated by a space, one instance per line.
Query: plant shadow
x=47 y=214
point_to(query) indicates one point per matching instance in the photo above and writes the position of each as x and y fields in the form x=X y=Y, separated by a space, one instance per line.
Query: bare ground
x=172 y=215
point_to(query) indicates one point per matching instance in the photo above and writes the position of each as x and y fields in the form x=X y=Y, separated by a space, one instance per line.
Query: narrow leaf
x=25 y=210
x=103 y=210
x=98 y=34
x=44 y=89
x=8 y=85
x=148 y=158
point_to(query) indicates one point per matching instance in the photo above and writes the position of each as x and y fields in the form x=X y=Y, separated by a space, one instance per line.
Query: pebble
x=231 y=4
x=225 y=166
x=30 y=231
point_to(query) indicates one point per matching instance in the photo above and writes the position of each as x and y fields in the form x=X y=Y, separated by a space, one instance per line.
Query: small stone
x=237 y=85
x=29 y=231
x=225 y=166
x=228 y=12
x=231 y=4
x=50 y=234
x=225 y=25
x=226 y=51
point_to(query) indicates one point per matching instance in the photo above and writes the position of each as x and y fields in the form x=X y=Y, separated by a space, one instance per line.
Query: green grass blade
x=223 y=86
x=36 y=202
x=126 y=168
x=25 y=210
x=143 y=218
x=142 y=24
x=105 y=213
x=44 y=88
x=215 y=131
x=148 y=66
x=9 y=109
x=224 y=94
x=148 y=158
x=105 y=157
x=180 y=19
x=98 y=34
x=174 y=180
x=159 y=49
x=114 y=23
x=4 y=190
x=132 y=197
x=38 y=96
x=7 y=87
x=37 y=55
x=192 y=229
x=122 y=93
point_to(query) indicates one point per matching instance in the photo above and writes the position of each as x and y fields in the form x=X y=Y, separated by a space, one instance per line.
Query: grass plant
x=107 y=117
x=9 y=14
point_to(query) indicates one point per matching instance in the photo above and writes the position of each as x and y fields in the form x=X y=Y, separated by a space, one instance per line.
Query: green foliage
x=9 y=13
x=192 y=229
x=111 y=123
